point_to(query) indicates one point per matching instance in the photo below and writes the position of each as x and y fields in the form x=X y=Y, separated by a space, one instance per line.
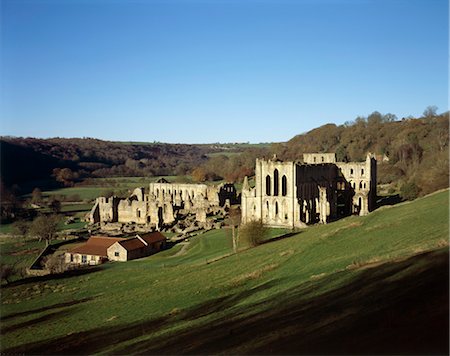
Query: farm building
x=137 y=247
x=93 y=252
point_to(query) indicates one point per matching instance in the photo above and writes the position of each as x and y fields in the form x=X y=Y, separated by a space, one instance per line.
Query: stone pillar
x=200 y=215
x=153 y=212
x=323 y=205
x=168 y=213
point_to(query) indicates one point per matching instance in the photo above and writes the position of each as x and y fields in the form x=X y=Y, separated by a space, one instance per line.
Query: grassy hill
x=374 y=284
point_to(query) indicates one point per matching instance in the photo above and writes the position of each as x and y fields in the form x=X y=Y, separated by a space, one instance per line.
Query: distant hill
x=412 y=152
x=30 y=159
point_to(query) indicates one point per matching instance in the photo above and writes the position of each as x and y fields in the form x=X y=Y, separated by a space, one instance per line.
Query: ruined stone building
x=162 y=204
x=294 y=194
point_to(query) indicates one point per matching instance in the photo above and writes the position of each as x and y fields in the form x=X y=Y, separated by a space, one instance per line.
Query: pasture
x=373 y=284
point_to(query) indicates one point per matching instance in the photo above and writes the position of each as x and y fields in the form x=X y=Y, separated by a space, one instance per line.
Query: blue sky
x=197 y=71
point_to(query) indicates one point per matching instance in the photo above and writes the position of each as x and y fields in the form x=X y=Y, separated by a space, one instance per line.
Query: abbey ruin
x=286 y=194
x=317 y=190
x=164 y=203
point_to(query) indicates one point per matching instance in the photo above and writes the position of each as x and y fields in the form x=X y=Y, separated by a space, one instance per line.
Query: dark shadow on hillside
x=394 y=308
x=95 y=340
x=50 y=307
x=50 y=277
x=28 y=323
x=389 y=200
x=281 y=237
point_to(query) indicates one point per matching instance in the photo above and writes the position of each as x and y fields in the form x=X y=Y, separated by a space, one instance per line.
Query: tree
x=199 y=174
x=55 y=205
x=65 y=176
x=36 y=196
x=409 y=191
x=253 y=233
x=234 y=218
x=6 y=272
x=44 y=227
x=21 y=227
x=430 y=111
x=10 y=204
x=55 y=263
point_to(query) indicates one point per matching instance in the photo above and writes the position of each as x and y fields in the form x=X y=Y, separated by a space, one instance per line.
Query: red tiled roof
x=149 y=238
x=132 y=244
x=152 y=237
x=96 y=245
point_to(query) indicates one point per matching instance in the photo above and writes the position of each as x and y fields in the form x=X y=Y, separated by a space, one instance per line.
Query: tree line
x=412 y=153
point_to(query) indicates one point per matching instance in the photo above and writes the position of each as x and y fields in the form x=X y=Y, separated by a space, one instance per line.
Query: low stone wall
x=36 y=268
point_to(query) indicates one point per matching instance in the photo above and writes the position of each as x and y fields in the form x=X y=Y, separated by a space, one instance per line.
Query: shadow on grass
x=389 y=200
x=28 y=323
x=50 y=307
x=281 y=237
x=50 y=277
x=96 y=340
x=394 y=308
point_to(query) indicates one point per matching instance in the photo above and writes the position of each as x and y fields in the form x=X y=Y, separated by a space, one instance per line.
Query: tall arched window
x=268 y=185
x=276 y=208
x=275 y=182
x=267 y=209
x=283 y=186
x=360 y=185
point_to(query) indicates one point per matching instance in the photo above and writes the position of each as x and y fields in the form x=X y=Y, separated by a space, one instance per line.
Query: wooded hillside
x=412 y=153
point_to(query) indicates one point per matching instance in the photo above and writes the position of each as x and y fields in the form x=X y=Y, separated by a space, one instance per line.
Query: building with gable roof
x=142 y=245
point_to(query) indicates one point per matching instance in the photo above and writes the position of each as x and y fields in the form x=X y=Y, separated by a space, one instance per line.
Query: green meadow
x=372 y=284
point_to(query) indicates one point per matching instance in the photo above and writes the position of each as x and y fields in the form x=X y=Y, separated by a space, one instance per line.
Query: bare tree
x=253 y=232
x=234 y=218
x=45 y=227
x=430 y=111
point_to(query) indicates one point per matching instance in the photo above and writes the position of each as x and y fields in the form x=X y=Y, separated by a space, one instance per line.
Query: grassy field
x=20 y=252
x=371 y=284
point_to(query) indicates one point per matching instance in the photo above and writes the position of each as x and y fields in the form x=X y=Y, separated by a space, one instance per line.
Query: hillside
x=93 y=158
x=373 y=284
x=412 y=153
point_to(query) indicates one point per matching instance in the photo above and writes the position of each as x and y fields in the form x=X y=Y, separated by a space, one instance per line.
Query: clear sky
x=197 y=71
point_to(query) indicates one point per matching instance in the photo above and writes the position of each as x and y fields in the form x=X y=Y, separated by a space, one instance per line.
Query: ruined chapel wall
x=132 y=211
x=317 y=158
x=184 y=190
x=273 y=199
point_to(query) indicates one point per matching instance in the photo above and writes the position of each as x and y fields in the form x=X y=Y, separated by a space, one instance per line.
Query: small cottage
x=93 y=252
x=140 y=246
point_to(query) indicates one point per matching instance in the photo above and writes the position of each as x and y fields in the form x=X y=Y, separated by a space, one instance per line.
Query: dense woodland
x=415 y=151
x=70 y=160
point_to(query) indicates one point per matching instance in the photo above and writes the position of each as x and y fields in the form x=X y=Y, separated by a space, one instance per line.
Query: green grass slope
x=374 y=284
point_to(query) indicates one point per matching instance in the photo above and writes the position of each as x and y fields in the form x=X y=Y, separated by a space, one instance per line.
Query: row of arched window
x=352 y=172
x=276 y=184
x=361 y=185
x=169 y=191
x=276 y=210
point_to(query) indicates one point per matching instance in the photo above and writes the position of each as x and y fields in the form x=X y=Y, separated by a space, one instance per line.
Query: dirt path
x=183 y=249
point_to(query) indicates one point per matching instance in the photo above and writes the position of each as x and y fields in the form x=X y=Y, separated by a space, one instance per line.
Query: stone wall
x=162 y=204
